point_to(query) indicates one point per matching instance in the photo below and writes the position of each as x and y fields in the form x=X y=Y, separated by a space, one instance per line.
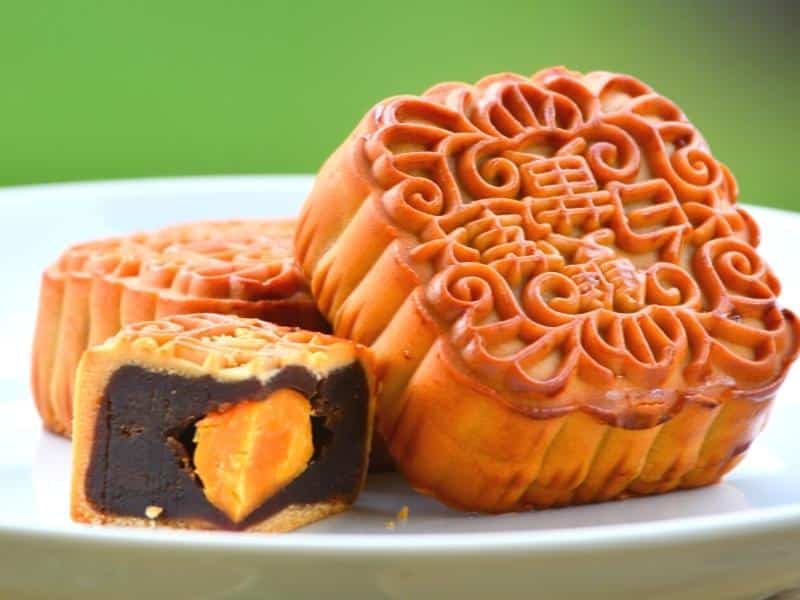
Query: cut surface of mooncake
x=234 y=267
x=556 y=279
x=217 y=422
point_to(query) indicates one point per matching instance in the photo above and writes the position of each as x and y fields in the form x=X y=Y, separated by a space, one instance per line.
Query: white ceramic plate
x=739 y=539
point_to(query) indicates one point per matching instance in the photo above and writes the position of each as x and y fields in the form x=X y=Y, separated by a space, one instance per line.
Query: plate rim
x=673 y=532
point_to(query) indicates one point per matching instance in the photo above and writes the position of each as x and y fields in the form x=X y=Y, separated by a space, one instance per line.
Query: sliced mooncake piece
x=242 y=267
x=211 y=421
x=565 y=300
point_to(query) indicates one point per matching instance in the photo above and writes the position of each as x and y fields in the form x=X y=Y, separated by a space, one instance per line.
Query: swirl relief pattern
x=233 y=347
x=574 y=235
x=243 y=260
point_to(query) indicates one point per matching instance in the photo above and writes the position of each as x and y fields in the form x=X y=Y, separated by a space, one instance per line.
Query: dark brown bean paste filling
x=142 y=450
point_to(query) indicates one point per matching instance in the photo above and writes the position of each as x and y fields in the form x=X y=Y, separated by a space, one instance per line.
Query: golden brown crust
x=567 y=249
x=232 y=267
x=226 y=347
x=288 y=519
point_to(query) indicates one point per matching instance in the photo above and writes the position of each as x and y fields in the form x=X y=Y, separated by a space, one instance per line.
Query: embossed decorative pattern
x=567 y=249
x=230 y=347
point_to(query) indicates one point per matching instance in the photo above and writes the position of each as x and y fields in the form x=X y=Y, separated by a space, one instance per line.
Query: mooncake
x=239 y=267
x=218 y=422
x=554 y=275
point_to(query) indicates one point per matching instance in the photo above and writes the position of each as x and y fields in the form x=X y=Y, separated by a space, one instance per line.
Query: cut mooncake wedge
x=232 y=267
x=218 y=422
x=566 y=301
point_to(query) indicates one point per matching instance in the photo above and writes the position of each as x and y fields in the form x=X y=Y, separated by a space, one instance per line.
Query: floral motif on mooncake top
x=245 y=260
x=573 y=232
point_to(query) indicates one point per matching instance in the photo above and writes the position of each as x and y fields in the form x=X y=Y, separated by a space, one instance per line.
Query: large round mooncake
x=565 y=300
x=244 y=268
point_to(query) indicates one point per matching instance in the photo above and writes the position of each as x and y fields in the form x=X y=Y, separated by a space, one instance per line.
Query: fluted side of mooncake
x=565 y=299
x=232 y=267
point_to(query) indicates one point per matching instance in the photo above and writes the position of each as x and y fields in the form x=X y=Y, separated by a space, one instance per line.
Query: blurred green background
x=105 y=89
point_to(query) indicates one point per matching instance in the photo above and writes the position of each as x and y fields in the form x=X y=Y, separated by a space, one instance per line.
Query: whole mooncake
x=214 y=421
x=94 y=288
x=555 y=278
